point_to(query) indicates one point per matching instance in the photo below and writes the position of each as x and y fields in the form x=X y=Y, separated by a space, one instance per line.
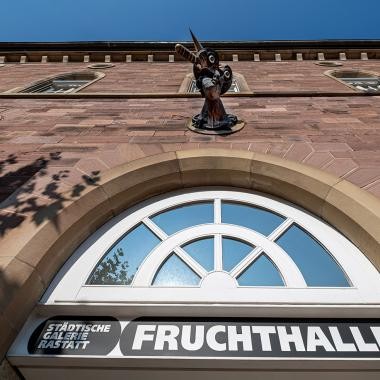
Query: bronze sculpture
x=212 y=81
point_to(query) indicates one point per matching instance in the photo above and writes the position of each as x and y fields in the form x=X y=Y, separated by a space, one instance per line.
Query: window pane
x=261 y=272
x=202 y=251
x=313 y=260
x=234 y=251
x=122 y=261
x=174 y=272
x=255 y=218
x=181 y=217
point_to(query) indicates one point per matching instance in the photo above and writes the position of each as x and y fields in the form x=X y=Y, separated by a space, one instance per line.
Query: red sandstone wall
x=339 y=135
x=162 y=77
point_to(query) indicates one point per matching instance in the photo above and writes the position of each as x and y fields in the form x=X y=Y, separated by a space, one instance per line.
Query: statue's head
x=208 y=58
x=202 y=57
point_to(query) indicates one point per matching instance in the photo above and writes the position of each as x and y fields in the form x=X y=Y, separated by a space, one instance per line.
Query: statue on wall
x=212 y=81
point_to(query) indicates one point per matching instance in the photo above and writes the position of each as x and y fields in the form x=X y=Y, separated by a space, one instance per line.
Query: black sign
x=200 y=337
x=251 y=338
x=75 y=336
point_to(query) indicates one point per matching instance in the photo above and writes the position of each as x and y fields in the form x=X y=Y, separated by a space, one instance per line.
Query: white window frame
x=69 y=286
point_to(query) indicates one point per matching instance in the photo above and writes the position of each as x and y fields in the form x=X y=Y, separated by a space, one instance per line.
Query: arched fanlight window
x=64 y=84
x=220 y=246
x=357 y=79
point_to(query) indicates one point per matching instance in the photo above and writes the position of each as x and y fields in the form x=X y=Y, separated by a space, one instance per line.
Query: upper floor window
x=358 y=80
x=65 y=83
x=217 y=246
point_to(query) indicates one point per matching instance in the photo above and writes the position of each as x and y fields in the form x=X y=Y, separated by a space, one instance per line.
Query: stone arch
x=35 y=253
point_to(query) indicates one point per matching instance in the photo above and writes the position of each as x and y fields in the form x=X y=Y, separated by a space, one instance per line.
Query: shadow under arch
x=36 y=252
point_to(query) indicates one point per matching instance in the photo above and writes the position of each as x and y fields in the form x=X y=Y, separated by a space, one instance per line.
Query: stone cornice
x=120 y=51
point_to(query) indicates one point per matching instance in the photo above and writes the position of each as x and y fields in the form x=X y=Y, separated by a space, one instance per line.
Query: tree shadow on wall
x=18 y=199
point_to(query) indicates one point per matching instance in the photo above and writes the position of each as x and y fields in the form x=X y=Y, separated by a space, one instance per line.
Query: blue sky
x=168 y=20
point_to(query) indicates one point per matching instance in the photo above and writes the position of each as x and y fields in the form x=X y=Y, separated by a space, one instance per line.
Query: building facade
x=131 y=245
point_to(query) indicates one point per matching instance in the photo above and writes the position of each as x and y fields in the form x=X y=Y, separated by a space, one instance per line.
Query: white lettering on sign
x=338 y=342
x=167 y=334
x=142 y=335
x=43 y=344
x=195 y=337
x=66 y=335
x=211 y=338
x=249 y=338
x=376 y=333
x=317 y=338
x=79 y=327
x=198 y=340
x=264 y=332
x=362 y=345
x=293 y=337
x=244 y=337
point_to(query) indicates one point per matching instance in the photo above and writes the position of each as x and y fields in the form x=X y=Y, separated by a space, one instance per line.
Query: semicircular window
x=63 y=84
x=359 y=80
x=189 y=242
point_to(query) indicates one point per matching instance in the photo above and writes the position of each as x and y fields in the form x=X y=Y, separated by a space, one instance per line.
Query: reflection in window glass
x=255 y=218
x=122 y=261
x=315 y=263
x=234 y=251
x=174 y=272
x=202 y=251
x=185 y=216
x=261 y=272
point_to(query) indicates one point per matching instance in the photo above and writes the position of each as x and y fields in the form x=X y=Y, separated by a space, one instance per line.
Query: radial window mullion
x=175 y=272
x=217 y=211
x=202 y=251
x=241 y=267
x=280 y=229
x=155 y=229
x=197 y=268
x=262 y=272
x=218 y=258
x=179 y=251
x=234 y=251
